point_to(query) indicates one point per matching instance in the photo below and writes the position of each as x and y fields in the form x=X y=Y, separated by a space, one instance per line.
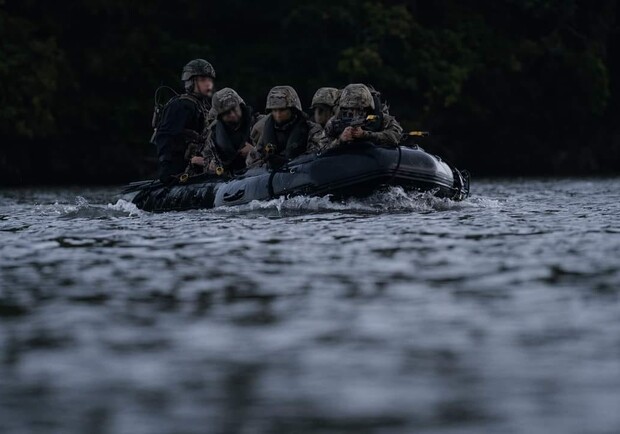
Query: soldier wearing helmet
x=357 y=102
x=324 y=103
x=228 y=141
x=184 y=119
x=286 y=131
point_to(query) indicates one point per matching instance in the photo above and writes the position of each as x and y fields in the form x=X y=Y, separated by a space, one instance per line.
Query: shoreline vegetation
x=507 y=88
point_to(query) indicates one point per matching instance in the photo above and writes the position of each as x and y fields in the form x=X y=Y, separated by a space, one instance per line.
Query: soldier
x=184 y=119
x=228 y=141
x=357 y=103
x=324 y=103
x=287 y=132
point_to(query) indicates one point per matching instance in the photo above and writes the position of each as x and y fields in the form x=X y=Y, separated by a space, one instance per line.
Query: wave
x=83 y=209
x=393 y=199
x=390 y=200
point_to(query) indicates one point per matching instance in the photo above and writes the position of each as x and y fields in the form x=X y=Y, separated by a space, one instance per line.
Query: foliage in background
x=507 y=86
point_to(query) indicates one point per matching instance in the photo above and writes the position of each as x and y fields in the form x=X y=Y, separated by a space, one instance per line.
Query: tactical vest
x=225 y=147
x=159 y=110
x=296 y=140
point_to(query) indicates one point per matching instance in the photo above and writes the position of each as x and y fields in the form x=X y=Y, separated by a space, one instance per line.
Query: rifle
x=271 y=158
x=339 y=125
x=417 y=134
x=408 y=139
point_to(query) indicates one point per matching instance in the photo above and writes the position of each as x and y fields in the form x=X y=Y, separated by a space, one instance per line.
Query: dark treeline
x=508 y=87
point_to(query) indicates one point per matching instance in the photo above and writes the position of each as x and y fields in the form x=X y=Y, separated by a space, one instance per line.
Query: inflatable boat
x=340 y=172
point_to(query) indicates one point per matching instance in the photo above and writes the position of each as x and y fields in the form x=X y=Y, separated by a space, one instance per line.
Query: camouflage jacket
x=389 y=134
x=222 y=144
x=312 y=142
x=257 y=129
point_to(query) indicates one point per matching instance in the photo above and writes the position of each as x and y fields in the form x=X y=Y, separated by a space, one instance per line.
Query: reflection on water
x=397 y=313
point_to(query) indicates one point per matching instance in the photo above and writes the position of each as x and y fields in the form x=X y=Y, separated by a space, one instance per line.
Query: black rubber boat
x=342 y=172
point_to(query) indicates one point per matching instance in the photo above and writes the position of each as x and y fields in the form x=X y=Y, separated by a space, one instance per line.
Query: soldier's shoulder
x=212 y=115
x=260 y=118
x=388 y=118
x=313 y=127
x=212 y=124
x=259 y=123
x=184 y=102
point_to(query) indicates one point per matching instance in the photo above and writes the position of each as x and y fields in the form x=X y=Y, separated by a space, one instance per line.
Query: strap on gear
x=159 y=106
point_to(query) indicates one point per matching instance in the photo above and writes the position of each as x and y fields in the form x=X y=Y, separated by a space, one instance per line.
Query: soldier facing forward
x=324 y=104
x=228 y=141
x=356 y=105
x=287 y=132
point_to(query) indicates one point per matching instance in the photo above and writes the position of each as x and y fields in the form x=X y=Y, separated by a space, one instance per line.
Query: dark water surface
x=395 y=314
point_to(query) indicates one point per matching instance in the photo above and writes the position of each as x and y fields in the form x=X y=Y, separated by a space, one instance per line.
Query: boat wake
x=84 y=209
x=391 y=200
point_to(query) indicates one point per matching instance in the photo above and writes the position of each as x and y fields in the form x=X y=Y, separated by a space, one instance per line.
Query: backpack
x=159 y=107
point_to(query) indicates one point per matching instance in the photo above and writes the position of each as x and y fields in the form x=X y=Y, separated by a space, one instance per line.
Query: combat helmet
x=281 y=97
x=196 y=68
x=326 y=95
x=356 y=95
x=226 y=99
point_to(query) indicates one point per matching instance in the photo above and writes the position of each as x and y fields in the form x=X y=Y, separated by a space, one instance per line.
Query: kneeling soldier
x=287 y=132
x=228 y=141
x=361 y=119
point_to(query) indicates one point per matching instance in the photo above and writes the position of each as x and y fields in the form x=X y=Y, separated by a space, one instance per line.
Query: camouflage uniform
x=183 y=122
x=224 y=142
x=384 y=131
x=325 y=99
x=257 y=129
x=289 y=140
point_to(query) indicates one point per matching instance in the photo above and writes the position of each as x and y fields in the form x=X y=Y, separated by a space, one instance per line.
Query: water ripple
x=396 y=313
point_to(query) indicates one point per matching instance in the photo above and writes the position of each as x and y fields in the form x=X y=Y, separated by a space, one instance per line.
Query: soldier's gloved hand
x=358 y=133
x=212 y=168
x=347 y=135
x=246 y=150
x=253 y=158
x=197 y=161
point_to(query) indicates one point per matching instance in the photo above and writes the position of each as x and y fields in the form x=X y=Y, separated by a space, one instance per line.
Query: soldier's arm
x=210 y=160
x=207 y=149
x=315 y=134
x=211 y=117
x=256 y=155
x=328 y=139
x=257 y=129
x=390 y=134
x=252 y=158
